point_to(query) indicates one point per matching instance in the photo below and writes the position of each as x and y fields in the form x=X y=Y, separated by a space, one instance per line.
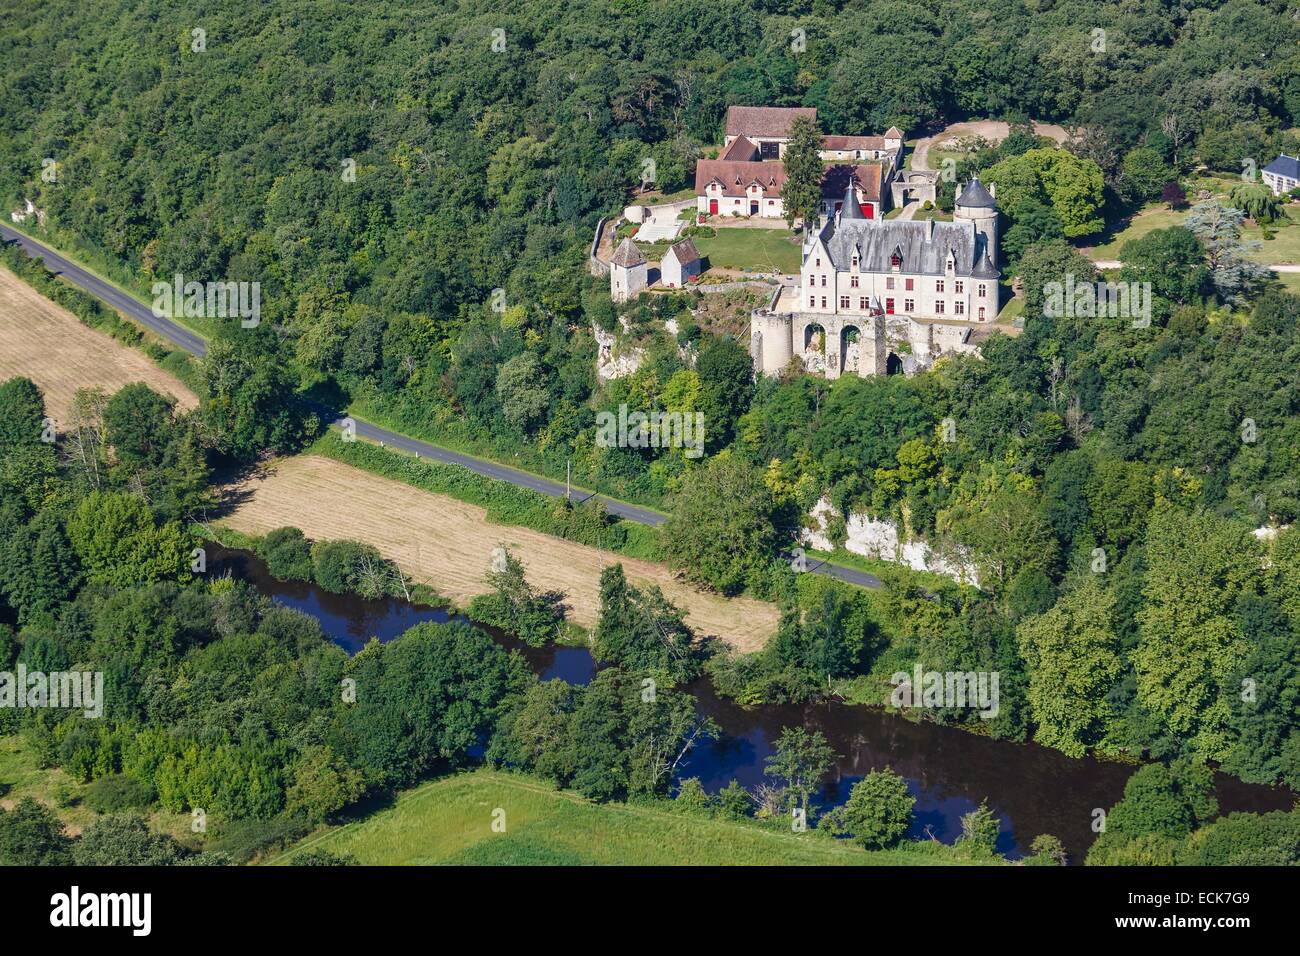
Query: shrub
x=287 y=554
x=979 y=829
x=336 y=564
x=125 y=840
x=734 y=800
x=319 y=857
x=879 y=810
x=241 y=840
x=118 y=792
x=691 y=795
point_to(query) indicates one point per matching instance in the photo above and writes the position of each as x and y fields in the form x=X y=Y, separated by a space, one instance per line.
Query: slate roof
x=850 y=208
x=923 y=245
x=736 y=177
x=766 y=121
x=627 y=254
x=1284 y=165
x=976 y=196
x=685 y=252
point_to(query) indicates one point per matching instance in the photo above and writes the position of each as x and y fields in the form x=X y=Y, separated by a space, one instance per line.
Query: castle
x=877 y=296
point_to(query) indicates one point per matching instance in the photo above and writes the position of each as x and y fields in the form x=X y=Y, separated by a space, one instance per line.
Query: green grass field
x=755 y=250
x=1283 y=248
x=449 y=821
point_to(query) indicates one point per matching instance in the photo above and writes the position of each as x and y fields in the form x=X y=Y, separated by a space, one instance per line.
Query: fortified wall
x=876 y=344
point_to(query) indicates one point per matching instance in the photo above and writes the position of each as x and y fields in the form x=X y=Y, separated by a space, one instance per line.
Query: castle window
x=853 y=282
x=889 y=306
x=909 y=284
x=855 y=262
x=895 y=260
x=812 y=301
x=817 y=261
x=938 y=307
x=981 y=313
x=981 y=292
x=823 y=302
x=909 y=305
x=961 y=287
x=823 y=282
x=844 y=302
x=862 y=303
x=889 y=282
x=959 y=307
x=938 y=285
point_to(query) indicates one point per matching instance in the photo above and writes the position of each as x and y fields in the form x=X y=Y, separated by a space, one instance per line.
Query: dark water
x=1032 y=789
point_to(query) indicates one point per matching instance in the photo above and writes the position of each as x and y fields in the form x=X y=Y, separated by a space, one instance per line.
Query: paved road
x=194 y=344
x=1116 y=264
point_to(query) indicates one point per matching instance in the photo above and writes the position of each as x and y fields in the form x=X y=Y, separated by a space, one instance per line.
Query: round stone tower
x=977 y=204
x=773 y=337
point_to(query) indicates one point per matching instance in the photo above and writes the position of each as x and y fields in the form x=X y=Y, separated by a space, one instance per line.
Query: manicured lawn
x=1151 y=218
x=1290 y=281
x=1283 y=248
x=934 y=212
x=755 y=250
x=449 y=821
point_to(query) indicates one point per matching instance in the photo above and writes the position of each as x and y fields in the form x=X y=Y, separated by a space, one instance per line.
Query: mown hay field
x=48 y=344
x=447 y=544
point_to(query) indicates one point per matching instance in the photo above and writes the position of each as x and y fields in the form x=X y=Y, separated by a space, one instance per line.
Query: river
x=1033 y=789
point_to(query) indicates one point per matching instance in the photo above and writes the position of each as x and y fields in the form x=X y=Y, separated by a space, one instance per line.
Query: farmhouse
x=767 y=128
x=725 y=187
x=680 y=264
x=746 y=179
x=1282 y=175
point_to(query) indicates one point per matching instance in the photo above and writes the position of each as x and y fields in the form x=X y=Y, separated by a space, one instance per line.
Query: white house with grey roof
x=865 y=283
x=1282 y=175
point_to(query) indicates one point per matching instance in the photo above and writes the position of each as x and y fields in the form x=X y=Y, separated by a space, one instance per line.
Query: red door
x=869 y=210
x=713 y=207
x=889 y=306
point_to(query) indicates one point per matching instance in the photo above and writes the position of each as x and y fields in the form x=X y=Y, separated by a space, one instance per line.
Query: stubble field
x=49 y=345
x=448 y=544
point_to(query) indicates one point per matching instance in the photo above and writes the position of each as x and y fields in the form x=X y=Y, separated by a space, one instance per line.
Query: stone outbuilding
x=628 y=272
x=680 y=264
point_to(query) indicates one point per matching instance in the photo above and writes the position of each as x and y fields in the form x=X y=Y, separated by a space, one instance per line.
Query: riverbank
x=1031 y=788
x=450 y=821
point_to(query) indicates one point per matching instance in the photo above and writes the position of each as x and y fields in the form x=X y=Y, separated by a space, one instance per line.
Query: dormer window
x=855 y=262
x=895 y=260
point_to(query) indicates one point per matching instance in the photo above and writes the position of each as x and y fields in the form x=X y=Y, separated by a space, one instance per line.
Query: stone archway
x=814 y=355
x=850 y=350
x=814 y=337
x=893 y=364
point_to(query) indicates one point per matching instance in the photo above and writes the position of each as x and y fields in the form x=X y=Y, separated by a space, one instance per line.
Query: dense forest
x=415 y=192
x=382 y=171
